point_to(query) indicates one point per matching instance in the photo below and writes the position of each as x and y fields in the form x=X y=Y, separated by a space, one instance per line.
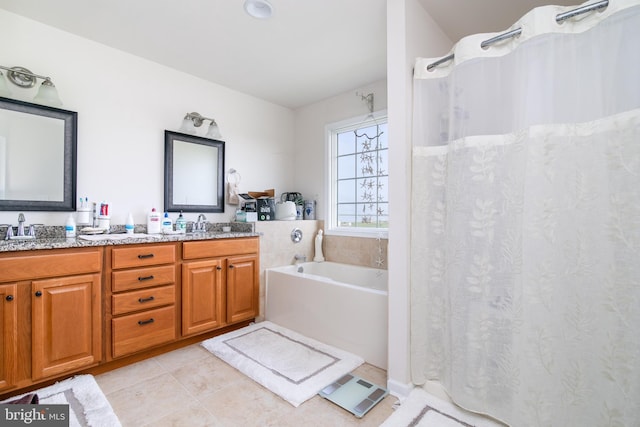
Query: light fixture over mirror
x=25 y=79
x=194 y=120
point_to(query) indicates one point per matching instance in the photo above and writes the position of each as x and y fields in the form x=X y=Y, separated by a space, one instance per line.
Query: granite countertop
x=52 y=240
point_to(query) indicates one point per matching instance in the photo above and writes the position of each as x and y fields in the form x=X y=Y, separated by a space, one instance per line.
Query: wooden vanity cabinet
x=50 y=314
x=142 y=299
x=220 y=283
x=8 y=335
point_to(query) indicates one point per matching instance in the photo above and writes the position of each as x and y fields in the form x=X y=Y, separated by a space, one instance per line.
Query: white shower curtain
x=525 y=250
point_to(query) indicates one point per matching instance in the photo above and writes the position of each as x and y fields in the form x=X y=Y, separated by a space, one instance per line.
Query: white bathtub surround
x=291 y=365
x=341 y=305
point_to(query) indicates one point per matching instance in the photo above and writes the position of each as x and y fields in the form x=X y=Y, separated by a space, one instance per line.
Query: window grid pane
x=362 y=177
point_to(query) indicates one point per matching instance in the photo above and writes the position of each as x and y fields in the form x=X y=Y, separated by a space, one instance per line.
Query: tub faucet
x=300 y=257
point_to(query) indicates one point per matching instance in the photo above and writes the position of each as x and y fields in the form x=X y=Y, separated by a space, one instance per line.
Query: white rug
x=289 y=364
x=421 y=409
x=88 y=405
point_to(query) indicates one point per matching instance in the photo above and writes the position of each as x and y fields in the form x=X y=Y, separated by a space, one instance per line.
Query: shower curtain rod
x=514 y=33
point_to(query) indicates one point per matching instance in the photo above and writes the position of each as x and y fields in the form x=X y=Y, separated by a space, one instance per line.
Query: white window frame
x=331 y=131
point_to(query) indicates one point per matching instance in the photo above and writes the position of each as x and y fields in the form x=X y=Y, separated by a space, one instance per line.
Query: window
x=359 y=177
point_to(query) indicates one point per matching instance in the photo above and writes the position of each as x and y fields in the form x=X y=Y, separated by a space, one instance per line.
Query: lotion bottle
x=318 y=255
x=70 y=227
x=154 y=225
x=129 y=225
x=167 y=223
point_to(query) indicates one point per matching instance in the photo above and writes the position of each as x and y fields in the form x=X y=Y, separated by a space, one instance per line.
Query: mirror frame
x=169 y=206
x=70 y=119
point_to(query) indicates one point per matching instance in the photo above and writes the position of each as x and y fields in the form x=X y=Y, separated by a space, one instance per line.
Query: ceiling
x=306 y=52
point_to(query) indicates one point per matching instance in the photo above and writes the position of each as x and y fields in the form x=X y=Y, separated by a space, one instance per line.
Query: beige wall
x=366 y=252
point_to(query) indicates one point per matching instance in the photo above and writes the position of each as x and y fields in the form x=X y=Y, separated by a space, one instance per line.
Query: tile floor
x=191 y=387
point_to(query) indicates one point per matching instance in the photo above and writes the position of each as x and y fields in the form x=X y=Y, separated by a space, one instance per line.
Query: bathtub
x=338 y=304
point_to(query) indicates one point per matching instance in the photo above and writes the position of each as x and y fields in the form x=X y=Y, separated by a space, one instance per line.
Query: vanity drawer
x=142 y=300
x=141 y=256
x=140 y=331
x=28 y=265
x=220 y=247
x=142 y=278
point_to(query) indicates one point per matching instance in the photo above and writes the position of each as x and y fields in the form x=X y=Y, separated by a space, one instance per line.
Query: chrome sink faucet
x=200 y=224
x=21 y=221
x=21 y=229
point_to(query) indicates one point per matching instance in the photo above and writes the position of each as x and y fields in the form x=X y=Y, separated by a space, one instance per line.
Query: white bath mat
x=289 y=364
x=421 y=409
x=88 y=405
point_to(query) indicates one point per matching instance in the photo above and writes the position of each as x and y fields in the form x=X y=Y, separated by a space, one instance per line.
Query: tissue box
x=266 y=209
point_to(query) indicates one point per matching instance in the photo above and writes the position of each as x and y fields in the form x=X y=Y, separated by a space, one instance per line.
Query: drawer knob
x=142 y=300
x=145 y=256
x=142 y=279
x=145 y=322
x=9 y=298
x=38 y=293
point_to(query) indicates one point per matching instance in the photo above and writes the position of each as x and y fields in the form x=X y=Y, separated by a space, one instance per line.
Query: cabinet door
x=65 y=324
x=202 y=296
x=8 y=335
x=242 y=288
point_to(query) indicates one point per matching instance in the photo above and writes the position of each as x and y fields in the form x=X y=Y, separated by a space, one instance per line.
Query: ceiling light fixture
x=25 y=79
x=194 y=120
x=260 y=9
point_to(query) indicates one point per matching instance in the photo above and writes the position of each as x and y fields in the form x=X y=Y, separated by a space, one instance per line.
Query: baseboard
x=398 y=389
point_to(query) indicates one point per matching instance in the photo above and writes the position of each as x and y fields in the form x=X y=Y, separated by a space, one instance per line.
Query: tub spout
x=301 y=258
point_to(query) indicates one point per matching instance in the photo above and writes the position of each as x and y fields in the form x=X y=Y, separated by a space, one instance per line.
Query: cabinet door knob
x=38 y=293
x=231 y=266
x=218 y=268
x=9 y=298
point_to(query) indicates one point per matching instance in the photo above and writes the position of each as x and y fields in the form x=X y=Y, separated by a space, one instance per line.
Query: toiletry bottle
x=318 y=243
x=167 y=223
x=70 y=227
x=129 y=225
x=181 y=224
x=154 y=224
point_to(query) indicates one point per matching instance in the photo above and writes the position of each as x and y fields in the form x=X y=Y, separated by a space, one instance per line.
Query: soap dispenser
x=181 y=224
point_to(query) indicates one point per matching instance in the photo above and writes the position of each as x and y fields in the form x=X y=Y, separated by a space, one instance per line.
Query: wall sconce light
x=25 y=79
x=194 y=120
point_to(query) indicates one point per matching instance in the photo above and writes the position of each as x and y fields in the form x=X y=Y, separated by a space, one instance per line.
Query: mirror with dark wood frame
x=37 y=157
x=193 y=173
